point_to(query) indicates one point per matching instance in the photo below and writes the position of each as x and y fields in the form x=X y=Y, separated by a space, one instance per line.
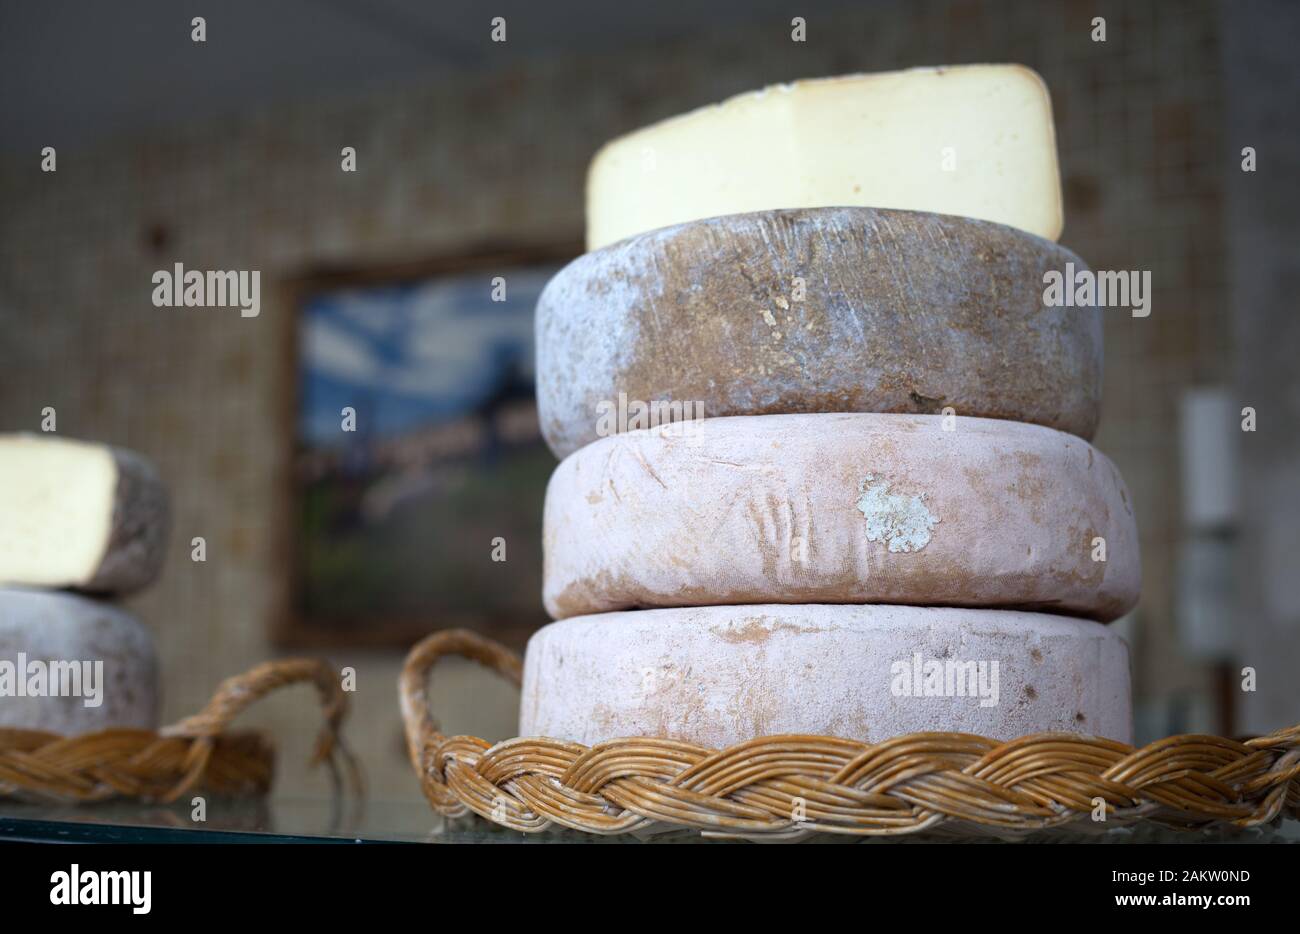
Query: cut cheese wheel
x=841 y=508
x=724 y=674
x=973 y=140
x=70 y=665
x=75 y=514
x=824 y=310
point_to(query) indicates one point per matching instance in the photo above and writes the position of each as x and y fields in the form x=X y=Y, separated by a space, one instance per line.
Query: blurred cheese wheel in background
x=71 y=665
x=77 y=514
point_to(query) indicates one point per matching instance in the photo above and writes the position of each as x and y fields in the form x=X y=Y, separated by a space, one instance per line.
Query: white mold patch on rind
x=900 y=522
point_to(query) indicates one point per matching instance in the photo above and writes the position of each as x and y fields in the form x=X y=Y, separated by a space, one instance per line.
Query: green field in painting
x=432 y=553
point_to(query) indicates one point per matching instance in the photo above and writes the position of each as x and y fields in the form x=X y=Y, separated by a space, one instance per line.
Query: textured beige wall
x=500 y=156
x=1264 y=271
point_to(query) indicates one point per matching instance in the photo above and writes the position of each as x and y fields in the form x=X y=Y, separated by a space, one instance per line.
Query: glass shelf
x=287 y=820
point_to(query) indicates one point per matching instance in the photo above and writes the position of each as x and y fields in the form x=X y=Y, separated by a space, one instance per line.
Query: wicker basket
x=196 y=754
x=797 y=785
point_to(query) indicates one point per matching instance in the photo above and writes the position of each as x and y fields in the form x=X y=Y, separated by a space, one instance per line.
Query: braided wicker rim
x=795 y=785
x=195 y=754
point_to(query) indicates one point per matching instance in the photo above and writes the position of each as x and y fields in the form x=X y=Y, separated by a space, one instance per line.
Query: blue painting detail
x=408 y=355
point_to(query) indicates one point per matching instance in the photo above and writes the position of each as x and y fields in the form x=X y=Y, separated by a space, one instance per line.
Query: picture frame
x=387 y=530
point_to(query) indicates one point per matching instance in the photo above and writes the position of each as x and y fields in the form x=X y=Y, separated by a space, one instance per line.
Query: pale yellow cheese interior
x=56 y=509
x=971 y=140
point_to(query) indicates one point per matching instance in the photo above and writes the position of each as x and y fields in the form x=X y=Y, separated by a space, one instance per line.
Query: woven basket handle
x=423 y=734
x=237 y=693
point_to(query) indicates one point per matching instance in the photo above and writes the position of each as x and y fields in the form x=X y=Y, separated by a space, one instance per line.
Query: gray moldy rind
x=899 y=311
x=137 y=544
x=46 y=627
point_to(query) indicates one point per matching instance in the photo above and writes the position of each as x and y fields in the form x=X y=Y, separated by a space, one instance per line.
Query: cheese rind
x=840 y=508
x=42 y=628
x=80 y=515
x=724 y=674
x=822 y=310
x=971 y=140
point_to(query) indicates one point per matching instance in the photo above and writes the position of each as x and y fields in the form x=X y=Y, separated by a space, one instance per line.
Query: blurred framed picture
x=418 y=468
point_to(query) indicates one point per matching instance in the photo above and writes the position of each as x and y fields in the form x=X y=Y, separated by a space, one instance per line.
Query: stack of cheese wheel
x=79 y=524
x=889 y=518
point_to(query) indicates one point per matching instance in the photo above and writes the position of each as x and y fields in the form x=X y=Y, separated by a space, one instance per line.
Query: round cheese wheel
x=974 y=140
x=71 y=665
x=821 y=310
x=847 y=508
x=78 y=514
x=724 y=674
